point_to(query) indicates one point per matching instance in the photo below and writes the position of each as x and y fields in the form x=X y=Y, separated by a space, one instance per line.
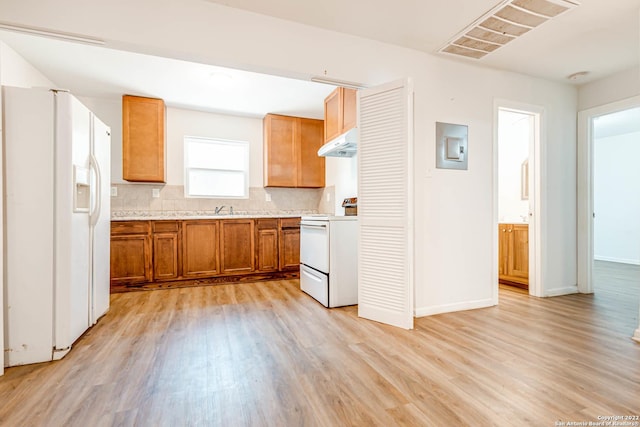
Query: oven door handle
x=312 y=226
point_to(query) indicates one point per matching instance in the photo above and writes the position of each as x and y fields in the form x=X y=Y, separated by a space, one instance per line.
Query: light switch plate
x=155 y=193
x=452 y=151
x=267 y=197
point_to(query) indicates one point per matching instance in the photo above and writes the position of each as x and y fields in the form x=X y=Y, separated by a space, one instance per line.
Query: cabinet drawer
x=290 y=222
x=129 y=227
x=165 y=226
x=266 y=223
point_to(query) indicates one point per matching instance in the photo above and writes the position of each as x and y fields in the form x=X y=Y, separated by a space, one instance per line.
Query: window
x=216 y=168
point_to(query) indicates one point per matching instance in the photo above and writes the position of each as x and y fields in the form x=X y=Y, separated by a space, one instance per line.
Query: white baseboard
x=448 y=308
x=561 y=291
x=636 y=335
x=618 y=260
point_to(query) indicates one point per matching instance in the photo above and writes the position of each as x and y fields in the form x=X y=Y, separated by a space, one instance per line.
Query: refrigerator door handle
x=96 y=191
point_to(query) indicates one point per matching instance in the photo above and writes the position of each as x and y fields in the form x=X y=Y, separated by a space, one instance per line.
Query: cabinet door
x=130 y=258
x=280 y=153
x=267 y=245
x=165 y=256
x=311 y=166
x=519 y=263
x=503 y=250
x=237 y=246
x=200 y=248
x=349 y=109
x=289 y=244
x=142 y=139
x=332 y=115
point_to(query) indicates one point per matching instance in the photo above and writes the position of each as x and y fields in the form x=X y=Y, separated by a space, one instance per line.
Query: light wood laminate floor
x=257 y=354
x=620 y=284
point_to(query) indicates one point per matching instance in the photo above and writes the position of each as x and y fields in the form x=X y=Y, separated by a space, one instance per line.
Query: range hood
x=345 y=145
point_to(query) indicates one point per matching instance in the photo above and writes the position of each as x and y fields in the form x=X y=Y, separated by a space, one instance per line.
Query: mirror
x=524 y=180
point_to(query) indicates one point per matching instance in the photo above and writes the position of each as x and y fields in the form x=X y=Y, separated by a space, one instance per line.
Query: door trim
x=585 y=208
x=536 y=184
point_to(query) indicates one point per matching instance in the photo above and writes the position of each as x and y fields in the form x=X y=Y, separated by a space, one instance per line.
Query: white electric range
x=329 y=259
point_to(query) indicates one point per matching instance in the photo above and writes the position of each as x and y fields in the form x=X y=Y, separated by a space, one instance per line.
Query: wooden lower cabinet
x=289 y=248
x=267 y=245
x=513 y=254
x=146 y=252
x=130 y=252
x=166 y=250
x=200 y=255
x=237 y=246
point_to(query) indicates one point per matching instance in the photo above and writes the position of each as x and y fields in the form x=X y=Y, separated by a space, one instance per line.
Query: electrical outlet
x=267 y=197
x=114 y=191
x=328 y=197
x=155 y=193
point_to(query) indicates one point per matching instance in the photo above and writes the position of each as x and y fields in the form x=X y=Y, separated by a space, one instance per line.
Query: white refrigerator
x=57 y=221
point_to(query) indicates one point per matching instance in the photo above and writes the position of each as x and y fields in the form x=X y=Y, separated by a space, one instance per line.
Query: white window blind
x=216 y=168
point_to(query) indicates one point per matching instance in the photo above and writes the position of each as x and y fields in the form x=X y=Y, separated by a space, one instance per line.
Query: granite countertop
x=176 y=215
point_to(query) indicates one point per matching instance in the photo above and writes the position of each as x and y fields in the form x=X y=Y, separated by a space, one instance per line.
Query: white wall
x=18 y=72
x=616 y=87
x=514 y=132
x=617 y=198
x=109 y=111
x=181 y=123
x=342 y=173
x=14 y=71
x=455 y=228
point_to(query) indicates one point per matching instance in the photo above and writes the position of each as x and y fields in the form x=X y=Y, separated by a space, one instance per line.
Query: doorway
x=610 y=130
x=609 y=206
x=516 y=195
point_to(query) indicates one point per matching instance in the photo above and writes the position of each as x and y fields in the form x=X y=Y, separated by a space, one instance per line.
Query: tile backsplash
x=139 y=198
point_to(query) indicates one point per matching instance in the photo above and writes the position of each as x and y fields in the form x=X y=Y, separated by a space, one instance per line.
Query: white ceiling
x=95 y=71
x=599 y=36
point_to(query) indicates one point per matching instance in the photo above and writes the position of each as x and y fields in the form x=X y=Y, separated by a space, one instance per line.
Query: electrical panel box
x=451 y=146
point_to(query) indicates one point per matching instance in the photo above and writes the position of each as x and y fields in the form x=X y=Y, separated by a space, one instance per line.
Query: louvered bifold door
x=385 y=204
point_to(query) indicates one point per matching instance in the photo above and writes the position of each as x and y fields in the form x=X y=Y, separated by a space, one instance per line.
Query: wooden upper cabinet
x=291 y=152
x=339 y=112
x=349 y=109
x=332 y=115
x=143 y=139
x=311 y=170
x=280 y=152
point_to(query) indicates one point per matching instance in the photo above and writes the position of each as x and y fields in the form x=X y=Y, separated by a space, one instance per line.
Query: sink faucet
x=218 y=209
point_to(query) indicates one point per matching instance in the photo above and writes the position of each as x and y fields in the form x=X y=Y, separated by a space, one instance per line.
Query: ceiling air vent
x=507 y=21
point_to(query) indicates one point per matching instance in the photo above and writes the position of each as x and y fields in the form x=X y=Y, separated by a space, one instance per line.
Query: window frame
x=218 y=141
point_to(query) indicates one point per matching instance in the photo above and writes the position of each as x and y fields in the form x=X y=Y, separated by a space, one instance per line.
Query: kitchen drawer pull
x=312 y=226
